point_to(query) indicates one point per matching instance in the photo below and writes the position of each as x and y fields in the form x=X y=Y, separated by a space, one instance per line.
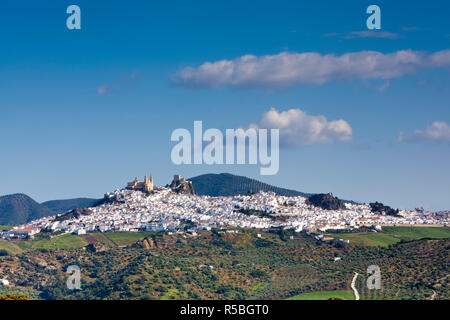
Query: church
x=145 y=186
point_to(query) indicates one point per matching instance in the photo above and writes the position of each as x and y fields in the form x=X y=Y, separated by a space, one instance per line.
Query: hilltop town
x=141 y=206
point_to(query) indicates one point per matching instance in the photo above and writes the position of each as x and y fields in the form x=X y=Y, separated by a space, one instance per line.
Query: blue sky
x=84 y=111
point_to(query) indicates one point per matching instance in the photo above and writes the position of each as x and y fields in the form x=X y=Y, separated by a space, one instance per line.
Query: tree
x=13 y=296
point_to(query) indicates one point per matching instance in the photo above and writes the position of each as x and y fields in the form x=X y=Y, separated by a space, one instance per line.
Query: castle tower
x=148 y=184
x=145 y=186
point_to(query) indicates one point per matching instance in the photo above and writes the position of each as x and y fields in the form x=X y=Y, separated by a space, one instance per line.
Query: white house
x=4 y=282
x=27 y=231
x=80 y=232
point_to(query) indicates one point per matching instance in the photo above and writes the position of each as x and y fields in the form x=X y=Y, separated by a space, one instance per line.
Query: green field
x=369 y=239
x=6 y=227
x=391 y=235
x=260 y=286
x=243 y=268
x=10 y=247
x=64 y=241
x=23 y=244
x=70 y=241
x=102 y=238
x=126 y=238
x=324 y=295
x=415 y=233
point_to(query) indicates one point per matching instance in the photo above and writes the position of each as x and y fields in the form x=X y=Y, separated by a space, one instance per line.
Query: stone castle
x=144 y=186
x=180 y=185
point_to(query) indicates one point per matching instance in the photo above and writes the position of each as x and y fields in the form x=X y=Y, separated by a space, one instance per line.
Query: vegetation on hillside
x=20 y=208
x=226 y=184
x=10 y=296
x=61 y=206
x=226 y=264
x=380 y=208
x=325 y=295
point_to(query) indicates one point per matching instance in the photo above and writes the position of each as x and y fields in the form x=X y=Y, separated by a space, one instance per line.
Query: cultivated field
x=415 y=233
x=391 y=235
x=64 y=241
x=229 y=264
x=369 y=239
x=10 y=247
x=324 y=295
x=125 y=238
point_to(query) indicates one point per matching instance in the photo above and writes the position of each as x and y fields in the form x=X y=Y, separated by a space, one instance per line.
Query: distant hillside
x=226 y=184
x=19 y=208
x=61 y=206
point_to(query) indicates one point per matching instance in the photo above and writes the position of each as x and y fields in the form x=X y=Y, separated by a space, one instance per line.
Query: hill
x=19 y=208
x=247 y=264
x=225 y=184
x=378 y=207
x=326 y=201
x=61 y=206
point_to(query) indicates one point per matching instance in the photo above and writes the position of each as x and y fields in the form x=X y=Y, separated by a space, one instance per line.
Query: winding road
x=353 y=286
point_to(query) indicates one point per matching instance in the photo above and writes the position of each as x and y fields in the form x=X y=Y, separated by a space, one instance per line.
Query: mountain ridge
x=63 y=205
x=227 y=184
x=18 y=208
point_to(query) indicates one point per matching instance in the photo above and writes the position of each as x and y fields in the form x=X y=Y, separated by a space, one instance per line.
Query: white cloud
x=372 y=34
x=364 y=34
x=438 y=131
x=411 y=28
x=104 y=89
x=300 y=129
x=124 y=84
x=384 y=86
x=289 y=69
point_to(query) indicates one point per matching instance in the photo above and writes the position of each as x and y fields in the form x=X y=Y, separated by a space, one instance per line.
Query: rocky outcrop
x=378 y=207
x=180 y=185
x=326 y=201
x=96 y=247
x=74 y=214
